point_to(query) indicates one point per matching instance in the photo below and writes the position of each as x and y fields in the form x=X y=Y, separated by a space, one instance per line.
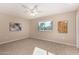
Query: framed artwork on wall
x=63 y=26
x=45 y=26
x=15 y=26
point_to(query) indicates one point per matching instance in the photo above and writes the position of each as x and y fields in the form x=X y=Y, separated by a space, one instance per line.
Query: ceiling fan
x=32 y=11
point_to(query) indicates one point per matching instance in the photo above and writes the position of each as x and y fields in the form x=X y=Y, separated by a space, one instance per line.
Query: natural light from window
x=39 y=51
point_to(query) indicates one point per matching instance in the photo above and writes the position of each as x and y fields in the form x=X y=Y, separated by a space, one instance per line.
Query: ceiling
x=45 y=9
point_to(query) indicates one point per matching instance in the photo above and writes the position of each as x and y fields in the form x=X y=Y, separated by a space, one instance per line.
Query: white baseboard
x=12 y=40
x=57 y=42
x=35 y=38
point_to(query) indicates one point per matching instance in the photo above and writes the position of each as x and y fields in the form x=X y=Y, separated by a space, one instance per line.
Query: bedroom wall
x=6 y=35
x=54 y=36
x=77 y=29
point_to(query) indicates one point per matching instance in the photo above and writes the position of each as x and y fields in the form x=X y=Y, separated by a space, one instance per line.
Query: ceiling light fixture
x=33 y=11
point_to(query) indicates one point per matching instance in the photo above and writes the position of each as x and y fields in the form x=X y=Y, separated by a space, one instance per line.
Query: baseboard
x=35 y=38
x=13 y=40
x=56 y=42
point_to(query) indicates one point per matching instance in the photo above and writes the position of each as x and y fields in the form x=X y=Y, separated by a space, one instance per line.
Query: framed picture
x=15 y=26
x=63 y=26
x=45 y=26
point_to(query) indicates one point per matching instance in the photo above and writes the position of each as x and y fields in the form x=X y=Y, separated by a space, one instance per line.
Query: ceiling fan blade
x=25 y=7
x=35 y=7
x=28 y=10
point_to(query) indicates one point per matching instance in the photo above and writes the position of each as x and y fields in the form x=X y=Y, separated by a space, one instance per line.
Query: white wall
x=54 y=36
x=6 y=35
x=77 y=29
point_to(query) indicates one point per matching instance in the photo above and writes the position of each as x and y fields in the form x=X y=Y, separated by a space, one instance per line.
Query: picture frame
x=63 y=26
x=45 y=25
x=14 y=26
